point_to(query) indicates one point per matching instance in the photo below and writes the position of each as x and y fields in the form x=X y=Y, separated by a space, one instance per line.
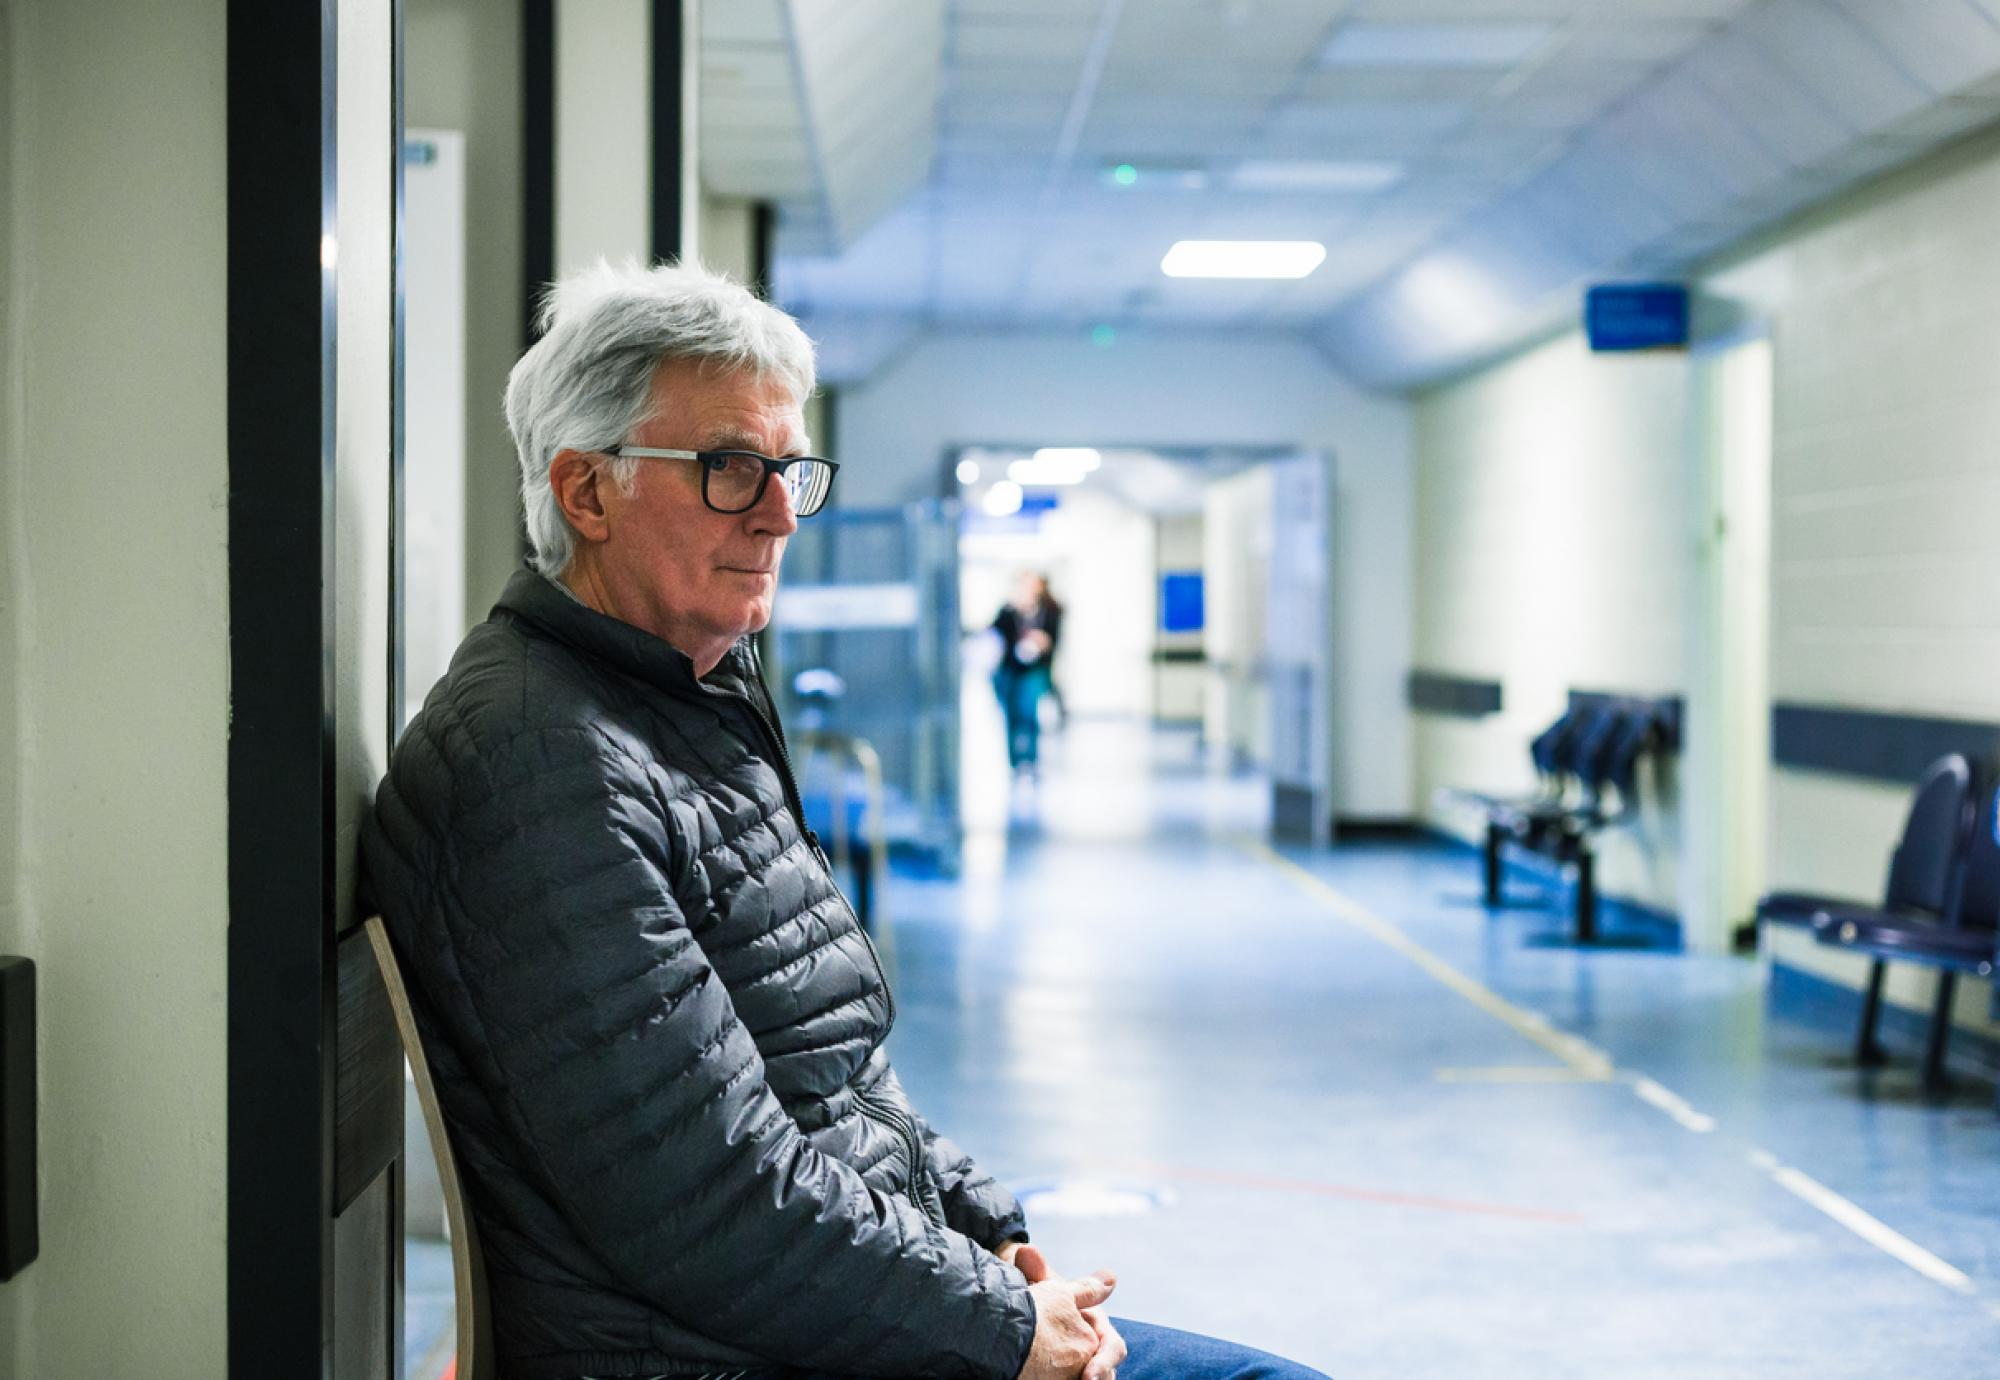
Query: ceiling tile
x=1824 y=49
x=1944 y=44
x=1785 y=114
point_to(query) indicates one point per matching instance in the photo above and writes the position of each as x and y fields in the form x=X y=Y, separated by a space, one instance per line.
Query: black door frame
x=284 y=1029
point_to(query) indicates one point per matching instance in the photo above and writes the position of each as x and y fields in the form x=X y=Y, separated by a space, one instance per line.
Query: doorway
x=1195 y=603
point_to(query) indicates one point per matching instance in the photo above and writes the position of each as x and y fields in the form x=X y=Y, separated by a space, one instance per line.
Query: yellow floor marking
x=1531 y=1073
x=1586 y=1062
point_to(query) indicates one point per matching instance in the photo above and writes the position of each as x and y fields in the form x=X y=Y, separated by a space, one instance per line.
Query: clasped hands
x=1073 y=1336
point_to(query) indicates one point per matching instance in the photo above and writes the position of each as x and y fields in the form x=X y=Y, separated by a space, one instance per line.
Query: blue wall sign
x=1636 y=316
x=1180 y=601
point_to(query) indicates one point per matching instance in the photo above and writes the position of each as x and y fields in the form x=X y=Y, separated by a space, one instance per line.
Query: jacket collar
x=536 y=599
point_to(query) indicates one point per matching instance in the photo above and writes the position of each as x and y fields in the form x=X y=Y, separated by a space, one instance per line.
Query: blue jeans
x=1161 y=1353
x=1156 y=1353
x=1021 y=694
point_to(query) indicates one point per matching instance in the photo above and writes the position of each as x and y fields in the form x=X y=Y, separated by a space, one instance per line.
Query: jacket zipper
x=921 y=1191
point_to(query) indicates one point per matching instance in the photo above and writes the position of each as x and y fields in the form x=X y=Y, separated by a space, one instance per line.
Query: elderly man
x=656 y=1026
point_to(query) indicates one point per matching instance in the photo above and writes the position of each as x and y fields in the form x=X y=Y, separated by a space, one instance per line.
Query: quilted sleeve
x=975 y=1202
x=615 y=1056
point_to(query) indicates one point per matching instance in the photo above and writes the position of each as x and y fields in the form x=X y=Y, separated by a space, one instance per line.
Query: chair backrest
x=476 y=1360
x=1636 y=737
x=1597 y=748
x=1921 y=871
x=1977 y=904
x=1554 y=748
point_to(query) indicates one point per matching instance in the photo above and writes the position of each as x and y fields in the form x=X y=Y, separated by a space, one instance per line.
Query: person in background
x=1029 y=625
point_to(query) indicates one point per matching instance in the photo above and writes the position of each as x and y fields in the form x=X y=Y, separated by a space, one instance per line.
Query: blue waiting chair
x=1922 y=872
x=1604 y=756
x=1964 y=941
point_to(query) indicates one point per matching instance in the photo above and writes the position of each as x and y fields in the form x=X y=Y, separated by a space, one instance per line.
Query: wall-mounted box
x=19 y=1239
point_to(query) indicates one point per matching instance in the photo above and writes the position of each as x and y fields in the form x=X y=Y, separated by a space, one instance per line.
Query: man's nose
x=773 y=512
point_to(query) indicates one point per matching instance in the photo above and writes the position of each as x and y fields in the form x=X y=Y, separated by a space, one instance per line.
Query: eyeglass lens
x=734 y=481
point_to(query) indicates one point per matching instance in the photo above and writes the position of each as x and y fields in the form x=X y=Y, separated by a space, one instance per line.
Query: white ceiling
x=948 y=161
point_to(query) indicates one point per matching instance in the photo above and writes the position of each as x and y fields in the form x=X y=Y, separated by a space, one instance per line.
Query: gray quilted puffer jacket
x=656 y=1028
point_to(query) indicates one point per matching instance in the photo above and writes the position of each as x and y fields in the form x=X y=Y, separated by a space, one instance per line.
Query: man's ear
x=574 y=479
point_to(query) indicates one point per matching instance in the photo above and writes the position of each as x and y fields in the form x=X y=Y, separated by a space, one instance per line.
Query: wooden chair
x=468 y=1268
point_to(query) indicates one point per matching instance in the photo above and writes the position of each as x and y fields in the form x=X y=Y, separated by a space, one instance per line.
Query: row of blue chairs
x=1940 y=907
x=1587 y=767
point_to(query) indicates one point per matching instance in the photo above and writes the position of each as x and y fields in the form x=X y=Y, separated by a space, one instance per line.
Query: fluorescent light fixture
x=1453 y=43
x=1043 y=474
x=1242 y=259
x=1081 y=458
x=1002 y=500
x=1304 y=175
x=968 y=471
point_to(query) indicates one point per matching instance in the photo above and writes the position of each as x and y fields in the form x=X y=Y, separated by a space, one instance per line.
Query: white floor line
x=1673 y=1105
x=1873 y=1230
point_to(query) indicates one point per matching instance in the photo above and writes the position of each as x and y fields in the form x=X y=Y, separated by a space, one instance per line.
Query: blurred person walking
x=1030 y=625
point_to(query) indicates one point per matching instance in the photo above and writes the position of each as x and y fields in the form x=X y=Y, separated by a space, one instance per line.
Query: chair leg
x=1935 y=1078
x=1867 y=1051
x=1494 y=838
x=1586 y=897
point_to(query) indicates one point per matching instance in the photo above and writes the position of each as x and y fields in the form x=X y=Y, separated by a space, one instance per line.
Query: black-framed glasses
x=732 y=481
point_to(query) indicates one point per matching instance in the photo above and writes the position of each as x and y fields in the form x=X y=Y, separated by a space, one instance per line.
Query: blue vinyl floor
x=1319 y=1102
x=1387 y=1135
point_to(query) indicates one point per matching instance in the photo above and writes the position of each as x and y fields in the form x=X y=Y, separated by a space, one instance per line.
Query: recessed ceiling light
x=1304 y=175
x=1242 y=258
x=1469 y=43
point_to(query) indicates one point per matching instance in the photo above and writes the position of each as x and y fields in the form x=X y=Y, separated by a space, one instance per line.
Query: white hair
x=587 y=383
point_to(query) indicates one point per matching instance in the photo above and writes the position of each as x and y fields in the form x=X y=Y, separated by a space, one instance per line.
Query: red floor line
x=1365 y=1195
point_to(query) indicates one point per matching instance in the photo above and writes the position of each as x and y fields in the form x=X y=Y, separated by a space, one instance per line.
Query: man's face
x=698 y=576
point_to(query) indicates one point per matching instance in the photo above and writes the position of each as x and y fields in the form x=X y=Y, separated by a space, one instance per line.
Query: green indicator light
x=1103 y=337
x=1124 y=174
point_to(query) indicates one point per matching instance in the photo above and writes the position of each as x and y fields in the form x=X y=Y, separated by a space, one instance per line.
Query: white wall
x=1174 y=389
x=463 y=72
x=113 y=619
x=1551 y=555
x=603 y=155
x=729 y=237
x=1885 y=505
x=1885 y=495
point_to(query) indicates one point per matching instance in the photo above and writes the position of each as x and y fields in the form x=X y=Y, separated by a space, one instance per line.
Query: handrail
x=871 y=904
